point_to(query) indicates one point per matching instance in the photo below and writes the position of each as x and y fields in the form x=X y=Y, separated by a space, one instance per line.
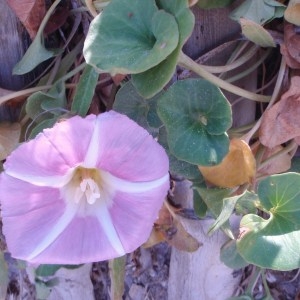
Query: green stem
x=231 y=66
x=253 y=280
x=46 y=18
x=266 y=287
x=249 y=70
x=117 y=275
x=188 y=63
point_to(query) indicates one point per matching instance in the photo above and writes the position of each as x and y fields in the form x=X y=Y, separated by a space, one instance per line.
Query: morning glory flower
x=88 y=189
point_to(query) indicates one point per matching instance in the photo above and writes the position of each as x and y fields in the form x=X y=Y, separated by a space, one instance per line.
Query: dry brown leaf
x=290 y=61
x=297 y=140
x=9 y=138
x=30 y=13
x=171 y=230
x=290 y=49
x=281 y=122
x=279 y=165
x=237 y=168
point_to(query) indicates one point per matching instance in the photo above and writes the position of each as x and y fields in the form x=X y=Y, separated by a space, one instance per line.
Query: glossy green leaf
x=274 y=243
x=207 y=4
x=230 y=256
x=137 y=108
x=196 y=115
x=85 y=91
x=153 y=80
x=258 y=11
x=130 y=36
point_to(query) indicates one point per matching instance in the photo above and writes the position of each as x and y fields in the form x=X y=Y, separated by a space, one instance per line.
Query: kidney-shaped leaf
x=153 y=80
x=130 y=36
x=137 y=108
x=196 y=115
x=274 y=243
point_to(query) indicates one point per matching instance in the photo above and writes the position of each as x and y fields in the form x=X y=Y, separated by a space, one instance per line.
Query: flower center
x=85 y=186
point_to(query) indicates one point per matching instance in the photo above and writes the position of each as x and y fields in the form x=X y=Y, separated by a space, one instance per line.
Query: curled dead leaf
x=290 y=49
x=281 y=122
x=9 y=138
x=169 y=229
x=279 y=165
x=238 y=167
x=30 y=13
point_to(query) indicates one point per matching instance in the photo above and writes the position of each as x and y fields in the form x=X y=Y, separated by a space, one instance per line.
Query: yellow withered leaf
x=237 y=167
x=9 y=138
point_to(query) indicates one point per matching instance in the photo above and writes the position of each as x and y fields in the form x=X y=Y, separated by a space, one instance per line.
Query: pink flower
x=85 y=190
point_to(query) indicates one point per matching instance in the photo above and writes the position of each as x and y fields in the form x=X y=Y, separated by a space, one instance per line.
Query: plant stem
x=253 y=280
x=188 y=63
x=243 y=59
x=249 y=70
x=117 y=276
x=266 y=287
x=91 y=8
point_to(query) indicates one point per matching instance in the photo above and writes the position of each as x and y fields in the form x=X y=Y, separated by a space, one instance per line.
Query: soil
x=146 y=278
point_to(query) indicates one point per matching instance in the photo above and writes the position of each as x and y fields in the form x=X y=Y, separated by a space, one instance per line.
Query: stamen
x=90 y=189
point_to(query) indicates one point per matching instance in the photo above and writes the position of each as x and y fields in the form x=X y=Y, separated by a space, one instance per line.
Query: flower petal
x=133 y=215
x=41 y=229
x=128 y=151
x=27 y=214
x=36 y=158
x=72 y=138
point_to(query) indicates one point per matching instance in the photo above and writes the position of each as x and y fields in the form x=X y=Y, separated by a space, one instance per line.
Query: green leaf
x=247 y=204
x=230 y=256
x=50 y=270
x=213 y=199
x=274 y=243
x=208 y=4
x=196 y=115
x=258 y=11
x=178 y=167
x=47 y=123
x=65 y=64
x=37 y=53
x=256 y=33
x=153 y=80
x=200 y=206
x=85 y=91
x=227 y=210
x=130 y=36
x=295 y=165
x=40 y=102
x=137 y=108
